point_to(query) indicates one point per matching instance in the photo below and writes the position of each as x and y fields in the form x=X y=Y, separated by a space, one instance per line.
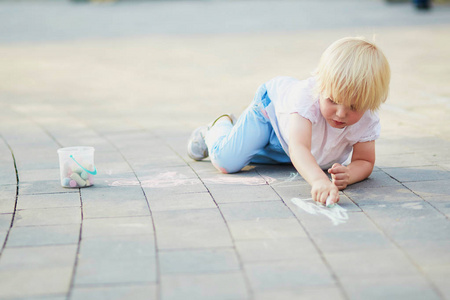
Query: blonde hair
x=354 y=72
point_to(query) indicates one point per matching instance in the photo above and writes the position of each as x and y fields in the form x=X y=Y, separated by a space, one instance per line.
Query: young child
x=317 y=123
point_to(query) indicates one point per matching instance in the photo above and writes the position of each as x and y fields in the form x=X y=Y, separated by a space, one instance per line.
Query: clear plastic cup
x=76 y=165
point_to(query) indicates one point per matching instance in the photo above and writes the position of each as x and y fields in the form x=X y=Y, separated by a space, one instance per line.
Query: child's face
x=338 y=115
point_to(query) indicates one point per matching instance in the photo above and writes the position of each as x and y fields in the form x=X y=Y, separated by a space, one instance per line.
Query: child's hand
x=340 y=175
x=320 y=191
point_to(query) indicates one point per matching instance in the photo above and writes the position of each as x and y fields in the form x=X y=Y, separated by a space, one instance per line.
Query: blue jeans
x=251 y=140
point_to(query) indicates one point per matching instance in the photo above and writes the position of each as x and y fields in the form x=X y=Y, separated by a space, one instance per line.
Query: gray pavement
x=132 y=79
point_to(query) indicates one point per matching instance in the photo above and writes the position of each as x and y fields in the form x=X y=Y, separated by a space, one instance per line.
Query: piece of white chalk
x=78 y=179
x=328 y=202
x=76 y=169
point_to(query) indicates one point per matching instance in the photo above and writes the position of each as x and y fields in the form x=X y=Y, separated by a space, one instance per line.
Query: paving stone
x=412 y=221
x=60 y=296
x=383 y=196
x=110 y=179
x=198 y=261
x=166 y=173
x=438 y=276
x=204 y=286
x=227 y=193
x=51 y=174
x=44 y=187
x=30 y=283
x=164 y=199
x=424 y=173
x=388 y=146
x=429 y=255
x=135 y=292
x=139 y=146
x=7 y=198
x=118 y=259
x=108 y=154
x=101 y=227
x=176 y=138
x=124 y=193
x=43 y=235
x=358 y=232
x=371 y=264
x=442 y=204
x=38 y=257
x=144 y=162
x=396 y=160
x=8 y=174
x=31 y=271
x=303 y=292
x=288 y=274
x=275 y=249
x=255 y=210
x=203 y=228
x=5 y=222
x=405 y=287
x=438 y=152
x=48 y=200
x=266 y=229
x=115 y=208
x=376 y=180
x=426 y=251
x=108 y=170
x=291 y=190
x=434 y=189
x=114 y=202
x=163 y=156
x=202 y=167
x=348 y=204
x=37 y=164
x=342 y=241
x=177 y=188
x=422 y=233
x=2 y=237
x=48 y=216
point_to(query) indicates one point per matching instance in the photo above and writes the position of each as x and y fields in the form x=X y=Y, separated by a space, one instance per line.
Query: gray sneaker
x=197 y=149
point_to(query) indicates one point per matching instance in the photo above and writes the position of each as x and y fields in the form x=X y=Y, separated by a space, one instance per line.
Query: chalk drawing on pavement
x=337 y=214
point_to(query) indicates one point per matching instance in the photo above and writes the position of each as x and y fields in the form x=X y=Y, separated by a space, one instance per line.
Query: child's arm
x=361 y=166
x=300 y=153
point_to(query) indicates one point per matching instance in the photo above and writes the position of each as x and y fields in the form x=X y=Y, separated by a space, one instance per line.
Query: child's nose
x=341 y=111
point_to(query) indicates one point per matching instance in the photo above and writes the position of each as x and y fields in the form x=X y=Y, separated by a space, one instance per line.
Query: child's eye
x=331 y=101
x=352 y=107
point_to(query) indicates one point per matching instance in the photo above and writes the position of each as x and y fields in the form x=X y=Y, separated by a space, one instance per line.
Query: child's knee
x=225 y=166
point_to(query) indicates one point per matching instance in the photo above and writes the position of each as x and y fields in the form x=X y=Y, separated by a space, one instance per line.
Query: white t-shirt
x=328 y=145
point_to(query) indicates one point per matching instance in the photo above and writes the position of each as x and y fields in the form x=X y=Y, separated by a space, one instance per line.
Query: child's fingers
x=340 y=180
x=336 y=168
x=323 y=198
x=320 y=197
x=339 y=176
x=340 y=185
x=335 y=165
